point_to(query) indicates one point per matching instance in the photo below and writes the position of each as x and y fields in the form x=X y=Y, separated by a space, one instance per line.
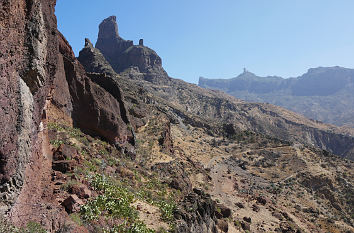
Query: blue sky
x=217 y=39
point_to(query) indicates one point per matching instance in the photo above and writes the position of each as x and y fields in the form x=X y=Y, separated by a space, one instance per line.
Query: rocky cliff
x=123 y=55
x=28 y=63
x=41 y=81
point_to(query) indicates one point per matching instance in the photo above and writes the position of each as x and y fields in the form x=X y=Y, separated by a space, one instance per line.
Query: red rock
x=81 y=191
x=64 y=165
x=72 y=203
x=26 y=75
x=65 y=151
x=104 y=115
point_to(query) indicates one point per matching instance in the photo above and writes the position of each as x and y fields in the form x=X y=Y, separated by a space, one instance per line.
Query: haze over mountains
x=325 y=93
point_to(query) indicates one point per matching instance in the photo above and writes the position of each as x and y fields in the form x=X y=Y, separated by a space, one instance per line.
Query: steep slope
x=324 y=93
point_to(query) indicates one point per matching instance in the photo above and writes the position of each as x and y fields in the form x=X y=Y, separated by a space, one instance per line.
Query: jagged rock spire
x=88 y=43
x=123 y=54
x=108 y=28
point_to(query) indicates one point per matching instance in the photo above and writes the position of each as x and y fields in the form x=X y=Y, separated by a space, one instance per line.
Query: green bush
x=114 y=201
x=33 y=227
x=136 y=227
x=167 y=209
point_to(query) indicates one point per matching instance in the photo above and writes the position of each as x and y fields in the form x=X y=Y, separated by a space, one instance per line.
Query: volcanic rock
x=103 y=116
x=223 y=225
x=110 y=43
x=81 y=191
x=123 y=55
x=196 y=214
x=72 y=203
x=64 y=165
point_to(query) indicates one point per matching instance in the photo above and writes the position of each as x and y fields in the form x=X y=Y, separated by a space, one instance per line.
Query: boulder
x=72 y=203
x=223 y=211
x=65 y=151
x=81 y=191
x=64 y=165
x=247 y=219
x=246 y=226
x=223 y=225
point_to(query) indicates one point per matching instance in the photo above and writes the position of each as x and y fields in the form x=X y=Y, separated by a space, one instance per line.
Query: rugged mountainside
x=324 y=93
x=107 y=142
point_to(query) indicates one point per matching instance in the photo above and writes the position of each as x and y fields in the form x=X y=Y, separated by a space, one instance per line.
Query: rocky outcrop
x=124 y=56
x=196 y=214
x=110 y=43
x=41 y=79
x=93 y=60
x=95 y=111
x=211 y=108
x=174 y=174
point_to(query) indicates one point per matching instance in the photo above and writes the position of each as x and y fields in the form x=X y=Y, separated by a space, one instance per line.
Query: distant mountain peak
x=246 y=74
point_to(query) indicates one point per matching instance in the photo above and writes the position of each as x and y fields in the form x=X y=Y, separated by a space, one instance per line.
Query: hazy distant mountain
x=325 y=93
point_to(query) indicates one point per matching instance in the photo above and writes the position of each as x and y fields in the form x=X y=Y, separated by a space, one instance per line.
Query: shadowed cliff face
x=95 y=110
x=110 y=43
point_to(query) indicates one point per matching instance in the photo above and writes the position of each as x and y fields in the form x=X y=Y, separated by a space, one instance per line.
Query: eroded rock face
x=39 y=71
x=27 y=67
x=93 y=60
x=196 y=213
x=174 y=174
x=123 y=55
x=110 y=43
x=95 y=111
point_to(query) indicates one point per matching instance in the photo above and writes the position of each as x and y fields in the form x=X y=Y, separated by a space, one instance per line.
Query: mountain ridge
x=323 y=93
